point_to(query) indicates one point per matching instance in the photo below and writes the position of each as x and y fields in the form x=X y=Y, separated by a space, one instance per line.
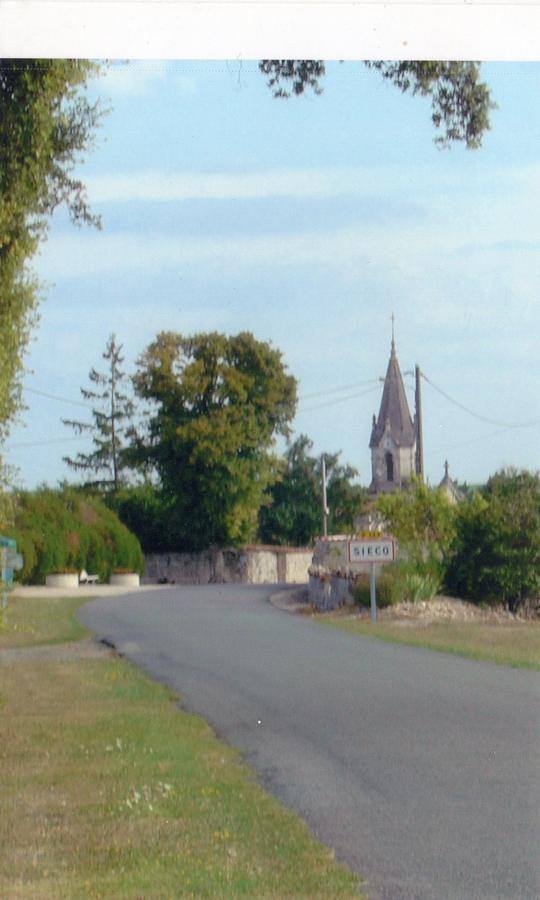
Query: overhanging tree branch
x=460 y=101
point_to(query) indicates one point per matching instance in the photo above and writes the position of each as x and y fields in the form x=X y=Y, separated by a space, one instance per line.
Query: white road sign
x=376 y=550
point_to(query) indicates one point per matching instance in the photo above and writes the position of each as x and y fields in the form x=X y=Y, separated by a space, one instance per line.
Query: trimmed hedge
x=62 y=530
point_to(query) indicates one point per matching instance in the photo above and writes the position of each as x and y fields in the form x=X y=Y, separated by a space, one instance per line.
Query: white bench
x=85 y=578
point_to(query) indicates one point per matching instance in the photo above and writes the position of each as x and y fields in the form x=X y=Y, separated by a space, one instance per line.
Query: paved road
x=421 y=769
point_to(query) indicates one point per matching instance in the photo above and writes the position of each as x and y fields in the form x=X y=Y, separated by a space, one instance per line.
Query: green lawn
x=109 y=790
x=509 y=643
x=41 y=620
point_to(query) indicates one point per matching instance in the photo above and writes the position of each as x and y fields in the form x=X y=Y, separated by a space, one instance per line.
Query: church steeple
x=393 y=436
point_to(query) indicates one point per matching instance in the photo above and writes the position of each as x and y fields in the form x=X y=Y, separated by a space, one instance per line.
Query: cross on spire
x=393 y=341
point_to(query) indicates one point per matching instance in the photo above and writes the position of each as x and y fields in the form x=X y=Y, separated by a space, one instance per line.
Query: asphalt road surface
x=419 y=768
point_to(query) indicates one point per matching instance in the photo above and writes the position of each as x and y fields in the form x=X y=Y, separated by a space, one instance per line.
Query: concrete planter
x=125 y=579
x=62 y=580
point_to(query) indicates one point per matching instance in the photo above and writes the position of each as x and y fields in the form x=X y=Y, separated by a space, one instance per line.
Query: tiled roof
x=394 y=409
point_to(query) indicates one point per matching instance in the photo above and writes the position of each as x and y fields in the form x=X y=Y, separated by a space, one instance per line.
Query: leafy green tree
x=218 y=402
x=495 y=556
x=112 y=422
x=293 y=513
x=7 y=498
x=421 y=518
x=460 y=101
x=148 y=512
x=46 y=123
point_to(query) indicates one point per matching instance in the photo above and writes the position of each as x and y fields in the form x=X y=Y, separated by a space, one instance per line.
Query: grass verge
x=108 y=790
x=29 y=621
x=509 y=644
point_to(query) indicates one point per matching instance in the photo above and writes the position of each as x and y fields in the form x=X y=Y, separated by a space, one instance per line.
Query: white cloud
x=78 y=255
x=402 y=250
x=179 y=186
x=446 y=192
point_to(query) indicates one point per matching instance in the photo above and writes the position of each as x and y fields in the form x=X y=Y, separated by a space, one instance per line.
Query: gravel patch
x=440 y=609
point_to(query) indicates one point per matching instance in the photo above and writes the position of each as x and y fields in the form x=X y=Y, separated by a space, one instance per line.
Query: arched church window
x=389 y=459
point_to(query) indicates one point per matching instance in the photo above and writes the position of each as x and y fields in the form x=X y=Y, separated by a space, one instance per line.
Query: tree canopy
x=495 y=556
x=421 y=518
x=460 y=101
x=46 y=123
x=217 y=404
x=292 y=514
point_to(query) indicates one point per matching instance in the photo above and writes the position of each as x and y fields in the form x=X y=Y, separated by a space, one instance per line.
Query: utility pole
x=419 y=427
x=324 y=504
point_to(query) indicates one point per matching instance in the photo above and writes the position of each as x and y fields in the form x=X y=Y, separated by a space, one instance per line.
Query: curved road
x=420 y=769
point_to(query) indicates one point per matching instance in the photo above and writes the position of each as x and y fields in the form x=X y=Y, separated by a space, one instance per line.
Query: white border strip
x=251 y=30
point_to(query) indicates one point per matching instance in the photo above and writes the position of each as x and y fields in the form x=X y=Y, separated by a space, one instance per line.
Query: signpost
x=373 y=549
x=10 y=561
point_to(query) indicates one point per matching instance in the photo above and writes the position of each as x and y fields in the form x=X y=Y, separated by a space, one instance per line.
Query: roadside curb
x=291 y=600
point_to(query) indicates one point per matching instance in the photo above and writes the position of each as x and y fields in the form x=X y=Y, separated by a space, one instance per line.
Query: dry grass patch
x=110 y=791
x=509 y=643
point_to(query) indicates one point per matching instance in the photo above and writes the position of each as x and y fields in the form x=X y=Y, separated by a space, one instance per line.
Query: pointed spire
x=393 y=351
x=394 y=411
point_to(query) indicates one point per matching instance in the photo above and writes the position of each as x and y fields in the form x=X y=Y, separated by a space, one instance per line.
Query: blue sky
x=308 y=222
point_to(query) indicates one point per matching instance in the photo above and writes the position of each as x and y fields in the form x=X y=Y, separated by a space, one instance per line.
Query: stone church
x=394 y=435
x=396 y=438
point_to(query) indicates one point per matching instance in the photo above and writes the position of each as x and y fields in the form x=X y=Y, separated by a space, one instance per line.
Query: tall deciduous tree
x=46 y=122
x=293 y=513
x=112 y=416
x=460 y=101
x=219 y=402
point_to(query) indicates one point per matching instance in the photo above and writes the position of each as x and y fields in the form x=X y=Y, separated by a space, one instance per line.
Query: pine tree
x=112 y=422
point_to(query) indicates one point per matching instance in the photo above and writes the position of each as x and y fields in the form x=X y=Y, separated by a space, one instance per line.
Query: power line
x=56 y=397
x=474 y=440
x=336 y=390
x=43 y=443
x=339 y=400
x=476 y=415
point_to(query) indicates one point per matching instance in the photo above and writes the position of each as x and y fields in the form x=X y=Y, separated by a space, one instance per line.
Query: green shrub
x=417 y=587
x=495 y=555
x=146 y=513
x=384 y=589
x=59 y=530
x=400 y=582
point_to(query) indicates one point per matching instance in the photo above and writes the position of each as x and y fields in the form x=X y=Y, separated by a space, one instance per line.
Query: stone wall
x=252 y=564
x=332 y=574
x=328 y=592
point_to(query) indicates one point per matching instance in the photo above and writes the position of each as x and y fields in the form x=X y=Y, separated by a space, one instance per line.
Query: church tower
x=393 y=436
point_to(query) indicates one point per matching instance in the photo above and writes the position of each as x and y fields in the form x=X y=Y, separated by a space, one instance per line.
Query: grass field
x=511 y=644
x=108 y=790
